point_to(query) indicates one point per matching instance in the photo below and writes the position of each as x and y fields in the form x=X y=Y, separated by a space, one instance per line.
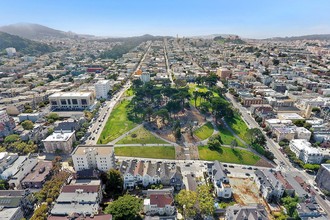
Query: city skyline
x=185 y=18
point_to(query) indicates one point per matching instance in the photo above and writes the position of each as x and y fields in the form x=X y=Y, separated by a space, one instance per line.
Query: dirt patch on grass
x=264 y=163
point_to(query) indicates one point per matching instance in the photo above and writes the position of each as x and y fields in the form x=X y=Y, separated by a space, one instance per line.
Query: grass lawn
x=205 y=131
x=146 y=152
x=117 y=124
x=228 y=155
x=129 y=92
x=143 y=136
x=227 y=137
x=193 y=87
x=238 y=125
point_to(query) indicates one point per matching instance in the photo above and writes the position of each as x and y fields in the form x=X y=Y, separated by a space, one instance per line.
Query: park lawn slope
x=202 y=89
x=205 y=131
x=227 y=137
x=228 y=155
x=238 y=125
x=141 y=136
x=117 y=124
x=146 y=152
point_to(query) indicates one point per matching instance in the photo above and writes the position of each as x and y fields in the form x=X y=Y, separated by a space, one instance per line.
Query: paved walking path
x=143 y=145
x=125 y=134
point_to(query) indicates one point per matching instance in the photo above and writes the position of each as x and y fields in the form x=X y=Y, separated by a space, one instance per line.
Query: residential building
x=38 y=175
x=71 y=100
x=11 y=213
x=102 y=88
x=16 y=199
x=284 y=132
x=323 y=177
x=269 y=186
x=159 y=204
x=61 y=142
x=253 y=212
x=76 y=216
x=145 y=77
x=303 y=133
x=220 y=180
x=29 y=116
x=305 y=152
x=24 y=169
x=224 y=73
x=248 y=101
x=101 y=157
x=6 y=159
x=308 y=210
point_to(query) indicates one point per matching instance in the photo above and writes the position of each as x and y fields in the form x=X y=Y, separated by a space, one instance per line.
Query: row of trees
x=13 y=143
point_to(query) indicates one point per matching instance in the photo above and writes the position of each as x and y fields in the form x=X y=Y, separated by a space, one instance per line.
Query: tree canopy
x=27 y=125
x=186 y=200
x=126 y=207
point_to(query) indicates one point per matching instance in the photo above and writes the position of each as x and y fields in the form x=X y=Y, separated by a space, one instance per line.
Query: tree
x=113 y=181
x=186 y=201
x=299 y=122
x=126 y=207
x=290 y=204
x=255 y=136
x=314 y=167
x=12 y=138
x=53 y=116
x=214 y=143
x=27 y=125
x=233 y=143
x=205 y=200
x=4 y=185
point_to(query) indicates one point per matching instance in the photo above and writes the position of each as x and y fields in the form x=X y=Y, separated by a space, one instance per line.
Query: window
x=69 y=102
x=75 y=101
x=63 y=102
x=83 y=101
x=54 y=102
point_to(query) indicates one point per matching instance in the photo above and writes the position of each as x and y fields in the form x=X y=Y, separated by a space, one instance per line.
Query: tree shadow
x=237 y=154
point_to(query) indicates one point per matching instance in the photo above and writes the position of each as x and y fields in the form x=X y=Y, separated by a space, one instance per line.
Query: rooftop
x=101 y=150
x=39 y=172
x=66 y=209
x=59 y=137
x=70 y=94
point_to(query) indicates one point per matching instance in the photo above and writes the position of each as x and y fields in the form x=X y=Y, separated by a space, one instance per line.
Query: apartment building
x=270 y=187
x=86 y=157
x=71 y=100
x=102 y=88
x=305 y=152
x=221 y=184
x=59 y=142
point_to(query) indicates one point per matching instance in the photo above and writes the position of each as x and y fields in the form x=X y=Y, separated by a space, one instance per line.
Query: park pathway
x=124 y=135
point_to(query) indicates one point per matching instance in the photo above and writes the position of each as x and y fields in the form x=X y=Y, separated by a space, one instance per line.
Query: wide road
x=280 y=158
x=169 y=73
x=106 y=109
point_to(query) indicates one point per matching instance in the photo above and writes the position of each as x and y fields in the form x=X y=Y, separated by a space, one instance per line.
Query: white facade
x=102 y=88
x=71 y=100
x=59 y=141
x=91 y=157
x=305 y=152
x=145 y=77
x=303 y=133
x=4 y=116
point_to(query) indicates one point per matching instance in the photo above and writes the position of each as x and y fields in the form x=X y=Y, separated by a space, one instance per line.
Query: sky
x=246 y=18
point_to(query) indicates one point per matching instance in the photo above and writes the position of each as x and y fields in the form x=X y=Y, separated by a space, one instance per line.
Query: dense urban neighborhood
x=164 y=128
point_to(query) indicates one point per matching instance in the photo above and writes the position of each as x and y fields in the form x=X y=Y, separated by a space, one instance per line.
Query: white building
x=11 y=51
x=59 y=141
x=4 y=116
x=145 y=77
x=71 y=100
x=305 y=152
x=303 y=133
x=159 y=204
x=270 y=188
x=91 y=157
x=221 y=184
x=102 y=88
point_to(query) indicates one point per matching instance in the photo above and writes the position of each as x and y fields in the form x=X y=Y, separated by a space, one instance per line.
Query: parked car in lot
x=231 y=166
x=247 y=174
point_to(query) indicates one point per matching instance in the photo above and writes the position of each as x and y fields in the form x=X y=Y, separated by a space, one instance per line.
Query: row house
x=141 y=173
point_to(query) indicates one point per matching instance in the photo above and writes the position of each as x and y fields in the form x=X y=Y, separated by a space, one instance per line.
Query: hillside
x=37 y=32
x=305 y=37
x=22 y=45
x=128 y=43
x=223 y=40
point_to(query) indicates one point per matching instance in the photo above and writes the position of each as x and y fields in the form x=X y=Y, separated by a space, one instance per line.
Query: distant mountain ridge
x=24 y=46
x=37 y=31
x=304 y=37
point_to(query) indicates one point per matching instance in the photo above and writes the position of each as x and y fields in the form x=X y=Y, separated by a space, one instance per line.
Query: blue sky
x=247 y=18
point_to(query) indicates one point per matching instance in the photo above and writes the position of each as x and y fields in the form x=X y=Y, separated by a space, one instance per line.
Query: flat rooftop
x=58 y=137
x=101 y=150
x=39 y=172
x=70 y=94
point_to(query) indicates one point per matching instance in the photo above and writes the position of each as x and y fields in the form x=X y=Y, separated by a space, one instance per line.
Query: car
x=225 y=165
x=247 y=174
x=93 y=138
x=249 y=168
x=231 y=166
x=244 y=168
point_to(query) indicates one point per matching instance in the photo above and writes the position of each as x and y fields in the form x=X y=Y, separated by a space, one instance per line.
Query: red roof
x=161 y=200
x=73 y=188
